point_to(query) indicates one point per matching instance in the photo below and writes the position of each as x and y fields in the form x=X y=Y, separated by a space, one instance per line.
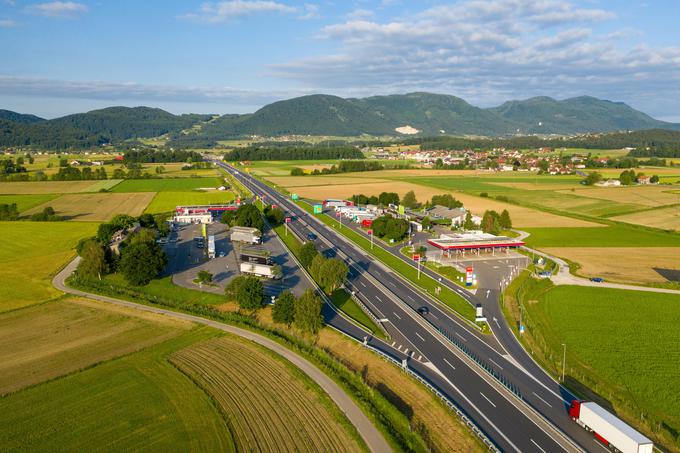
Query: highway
x=510 y=424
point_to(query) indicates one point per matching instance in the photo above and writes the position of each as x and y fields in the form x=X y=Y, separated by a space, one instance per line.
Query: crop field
x=30 y=254
x=103 y=185
x=166 y=184
x=268 y=403
x=283 y=167
x=621 y=344
x=43 y=187
x=608 y=236
x=167 y=201
x=48 y=340
x=665 y=218
x=328 y=180
x=25 y=202
x=97 y=207
x=174 y=170
x=651 y=196
x=135 y=402
x=621 y=264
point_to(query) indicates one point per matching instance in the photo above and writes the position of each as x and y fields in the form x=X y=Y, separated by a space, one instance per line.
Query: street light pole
x=564 y=359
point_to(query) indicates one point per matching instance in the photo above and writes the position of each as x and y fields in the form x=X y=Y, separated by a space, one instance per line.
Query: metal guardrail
x=369 y=313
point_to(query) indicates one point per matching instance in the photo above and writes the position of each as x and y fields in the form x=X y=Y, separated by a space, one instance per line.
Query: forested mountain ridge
x=19 y=117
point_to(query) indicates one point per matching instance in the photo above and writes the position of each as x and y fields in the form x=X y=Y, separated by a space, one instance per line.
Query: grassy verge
x=609 y=358
x=449 y=272
x=236 y=186
x=386 y=417
x=426 y=283
x=161 y=288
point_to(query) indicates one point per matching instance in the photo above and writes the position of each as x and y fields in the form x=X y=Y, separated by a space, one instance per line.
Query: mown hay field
x=621 y=264
x=30 y=188
x=167 y=201
x=622 y=344
x=31 y=253
x=166 y=184
x=174 y=170
x=138 y=402
x=268 y=403
x=97 y=207
x=48 y=340
x=315 y=181
x=645 y=195
x=619 y=235
x=25 y=202
x=665 y=218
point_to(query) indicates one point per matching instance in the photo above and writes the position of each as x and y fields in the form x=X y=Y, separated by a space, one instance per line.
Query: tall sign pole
x=370 y=232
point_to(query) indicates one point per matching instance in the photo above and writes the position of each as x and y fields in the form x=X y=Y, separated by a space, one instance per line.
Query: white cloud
x=228 y=10
x=7 y=23
x=489 y=51
x=311 y=11
x=360 y=14
x=58 y=9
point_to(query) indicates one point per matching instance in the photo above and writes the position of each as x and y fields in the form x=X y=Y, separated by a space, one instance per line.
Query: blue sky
x=235 y=56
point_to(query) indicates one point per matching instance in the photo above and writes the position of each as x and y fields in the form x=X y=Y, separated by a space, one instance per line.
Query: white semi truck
x=246 y=234
x=261 y=270
x=609 y=429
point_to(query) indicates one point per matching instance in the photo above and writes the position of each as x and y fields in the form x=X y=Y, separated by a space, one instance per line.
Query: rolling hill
x=19 y=117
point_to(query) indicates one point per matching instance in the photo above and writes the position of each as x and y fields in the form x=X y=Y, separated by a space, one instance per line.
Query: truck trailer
x=609 y=429
x=256 y=258
x=211 y=246
x=245 y=234
x=260 y=270
x=330 y=203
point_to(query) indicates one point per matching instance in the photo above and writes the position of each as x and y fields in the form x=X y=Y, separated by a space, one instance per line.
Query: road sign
x=416 y=257
x=318 y=209
x=288 y=219
x=370 y=231
x=238 y=200
x=273 y=206
x=295 y=196
x=402 y=210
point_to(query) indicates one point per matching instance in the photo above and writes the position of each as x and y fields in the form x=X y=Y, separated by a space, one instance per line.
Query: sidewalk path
x=373 y=438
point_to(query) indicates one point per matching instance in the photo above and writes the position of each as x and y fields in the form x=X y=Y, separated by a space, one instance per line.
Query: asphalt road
x=509 y=423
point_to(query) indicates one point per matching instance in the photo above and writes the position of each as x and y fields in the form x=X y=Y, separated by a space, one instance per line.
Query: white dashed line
x=396 y=315
x=423 y=339
x=449 y=364
x=460 y=336
x=491 y=360
x=541 y=399
x=362 y=283
x=488 y=400
x=379 y=299
x=538 y=446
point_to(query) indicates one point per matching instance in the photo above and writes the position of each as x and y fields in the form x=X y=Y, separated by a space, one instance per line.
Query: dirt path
x=373 y=438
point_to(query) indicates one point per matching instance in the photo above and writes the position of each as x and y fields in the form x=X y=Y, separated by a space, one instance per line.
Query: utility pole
x=564 y=359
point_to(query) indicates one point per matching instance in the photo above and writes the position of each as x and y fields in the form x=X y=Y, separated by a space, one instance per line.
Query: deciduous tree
x=308 y=312
x=283 y=311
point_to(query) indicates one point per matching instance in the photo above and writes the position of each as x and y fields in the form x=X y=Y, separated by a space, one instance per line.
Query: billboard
x=318 y=209
x=402 y=210
x=468 y=276
x=205 y=230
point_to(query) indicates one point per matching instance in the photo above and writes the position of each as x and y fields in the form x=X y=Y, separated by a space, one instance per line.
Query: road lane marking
x=379 y=299
x=396 y=315
x=491 y=360
x=449 y=364
x=485 y=397
x=423 y=339
x=541 y=399
x=411 y=298
x=434 y=316
x=362 y=283
x=538 y=446
x=461 y=337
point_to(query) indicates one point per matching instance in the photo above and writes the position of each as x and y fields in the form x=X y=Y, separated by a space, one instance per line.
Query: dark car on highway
x=424 y=311
x=311 y=236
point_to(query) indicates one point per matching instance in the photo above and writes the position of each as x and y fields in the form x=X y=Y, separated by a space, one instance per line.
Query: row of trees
x=293 y=153
x=345 y=166
x=76 y=174
x=384 y=199
x=247 y=215
x=9 y=211
x=493 y=222
x=303 y=312
x=145 y=156
x=140 y=258
x=446 y=200
x=390 y=227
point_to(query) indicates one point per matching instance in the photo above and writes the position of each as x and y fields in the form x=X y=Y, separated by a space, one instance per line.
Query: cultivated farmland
x=49 y=340
x=167 y=201
x=30 y=254
x=269 y=405
x=30 y=188
x=25 y=202
x=97 y=207
x=138 y=402
x=621 y=344
x=166 y=184
x=664 y=218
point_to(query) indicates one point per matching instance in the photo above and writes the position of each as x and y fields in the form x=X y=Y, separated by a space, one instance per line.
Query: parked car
x=597 y=279
x=423 y=311
x=221 y=254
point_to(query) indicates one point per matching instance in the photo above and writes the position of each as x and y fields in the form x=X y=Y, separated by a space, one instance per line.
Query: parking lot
x=186 y=259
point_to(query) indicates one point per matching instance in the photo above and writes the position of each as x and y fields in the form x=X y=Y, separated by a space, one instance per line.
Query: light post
x=564 y=359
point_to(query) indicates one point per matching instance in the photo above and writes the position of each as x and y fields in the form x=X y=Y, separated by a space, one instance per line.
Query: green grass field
x=609 y=236
x=25 y=202
x=138 y=402
x=344 y=302
x=31 y=253
x=621 y=344
x=164 y=288
x=167 y=201
x=166 y=184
